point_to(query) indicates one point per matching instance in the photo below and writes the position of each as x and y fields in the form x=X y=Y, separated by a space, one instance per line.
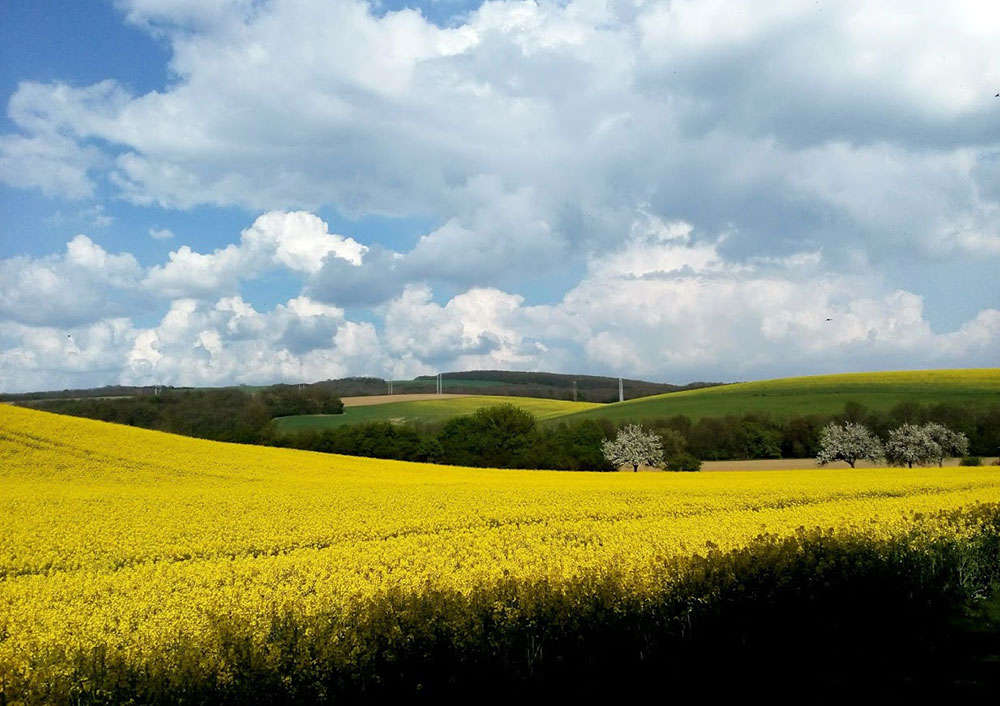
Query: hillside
x=558 y=386
x=143 y=567
x=783 y=397
x=819 y=394
x=584 y=388
x=429 y=411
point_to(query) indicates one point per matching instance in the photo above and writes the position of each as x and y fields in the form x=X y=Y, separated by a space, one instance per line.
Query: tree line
x=225 y=414
x=759 y=435
x=500 y=436
x=508 y=437
x=908 y=444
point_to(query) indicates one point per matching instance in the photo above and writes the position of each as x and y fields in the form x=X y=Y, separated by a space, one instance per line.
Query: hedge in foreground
x=142 y=567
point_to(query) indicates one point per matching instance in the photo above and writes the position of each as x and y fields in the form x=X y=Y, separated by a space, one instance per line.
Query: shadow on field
x=817 y=617
x=781 y=655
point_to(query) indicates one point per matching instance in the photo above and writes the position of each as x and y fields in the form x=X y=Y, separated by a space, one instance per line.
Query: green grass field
x=429 y=411
x=784 y=397
x=820 y=394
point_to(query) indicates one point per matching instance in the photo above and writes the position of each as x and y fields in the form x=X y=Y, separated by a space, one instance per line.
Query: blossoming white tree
x=634 y=446
x=849 y=442
x=950 y=443
x=911 y=444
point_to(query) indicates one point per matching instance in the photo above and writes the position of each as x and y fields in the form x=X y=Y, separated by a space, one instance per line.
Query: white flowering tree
x=633 y=446
x=950 y=443
x=848 y=442
x=911 y=444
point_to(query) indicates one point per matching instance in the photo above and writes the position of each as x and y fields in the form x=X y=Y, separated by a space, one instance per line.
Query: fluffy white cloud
x=48 y=358
x=727 y=179
x=667 y=303
x=478 y=329
x=497 y=236
x=195 y=343
x=191 y=274
x=85 y=283
x=655 y=247
x=53 y=163
x=799 y=113
x=297 y=241
x=198 y=343
x=668 y=306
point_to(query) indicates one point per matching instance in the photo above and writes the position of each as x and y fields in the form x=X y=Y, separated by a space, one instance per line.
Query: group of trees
x=764 y=436
x=504 y=436
x=508 y=437
x=906 y=445
x=501 y=436
x=226 y=414
x=634 y=446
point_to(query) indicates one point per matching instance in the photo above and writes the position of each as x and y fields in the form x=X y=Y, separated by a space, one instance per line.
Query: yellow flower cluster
x=130 y=543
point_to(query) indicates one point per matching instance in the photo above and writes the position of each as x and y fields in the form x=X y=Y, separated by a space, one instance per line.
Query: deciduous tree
x=634 y=446
x=847 y=442
x=911 y=444
x=950 y=443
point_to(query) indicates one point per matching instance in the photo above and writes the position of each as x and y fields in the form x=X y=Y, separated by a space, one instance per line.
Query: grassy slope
x=809 y=395
x=782 y=397
x=430 y=411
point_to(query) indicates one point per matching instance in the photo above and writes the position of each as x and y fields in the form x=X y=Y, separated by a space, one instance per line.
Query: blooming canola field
x=148 y=553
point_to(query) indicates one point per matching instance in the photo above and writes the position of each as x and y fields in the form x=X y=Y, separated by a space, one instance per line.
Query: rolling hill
x=143 y=567
x=558 y=386
x=819 y=394
x=783 y=397
x=429 y=411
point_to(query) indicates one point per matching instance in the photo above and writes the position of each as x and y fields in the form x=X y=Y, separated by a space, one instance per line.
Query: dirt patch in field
x=795 y=464
x=788 y=464
x=366 y=400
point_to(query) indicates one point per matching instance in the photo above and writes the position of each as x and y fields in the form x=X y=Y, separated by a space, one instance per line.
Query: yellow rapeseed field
x=128 y=547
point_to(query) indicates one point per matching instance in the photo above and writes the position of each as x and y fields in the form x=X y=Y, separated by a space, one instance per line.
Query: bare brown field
x=367 y=400
x=787 y=464
x=795 y=464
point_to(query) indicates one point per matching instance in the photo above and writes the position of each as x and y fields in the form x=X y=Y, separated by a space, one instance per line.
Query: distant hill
x=588 y=388
x=432 y=411
x=108 y=391
x=819 y=394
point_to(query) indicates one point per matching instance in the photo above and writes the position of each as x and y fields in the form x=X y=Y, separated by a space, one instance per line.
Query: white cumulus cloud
x=85 y=283
x=297 y=241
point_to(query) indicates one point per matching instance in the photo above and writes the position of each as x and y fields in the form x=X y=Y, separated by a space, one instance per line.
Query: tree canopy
x=848 y=442
x=634 y=446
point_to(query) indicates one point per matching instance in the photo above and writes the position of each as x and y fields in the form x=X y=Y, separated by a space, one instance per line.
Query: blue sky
x=242 y=191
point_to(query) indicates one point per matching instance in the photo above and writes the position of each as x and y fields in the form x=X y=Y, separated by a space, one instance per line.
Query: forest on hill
x=558 y=386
